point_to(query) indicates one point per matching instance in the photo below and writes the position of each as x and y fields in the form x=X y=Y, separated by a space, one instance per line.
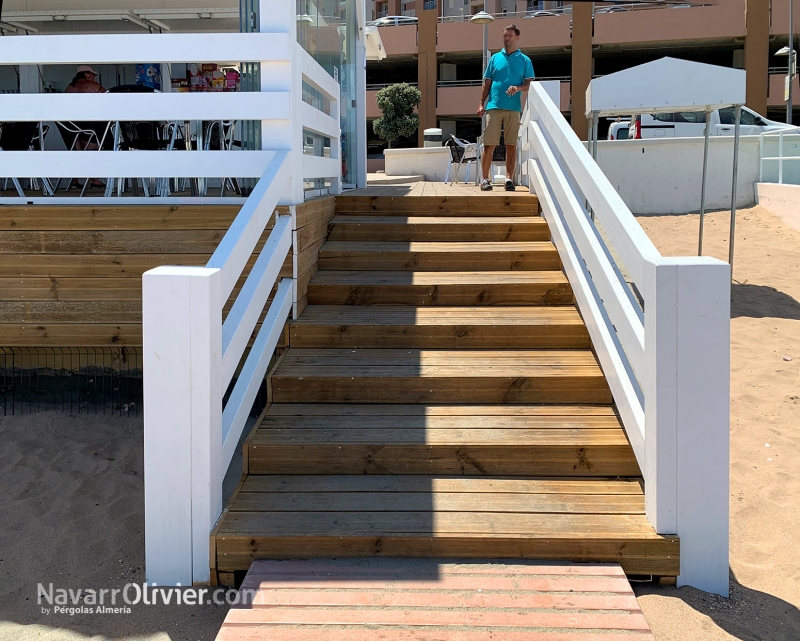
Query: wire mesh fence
x=96 y=380
x=100 y=380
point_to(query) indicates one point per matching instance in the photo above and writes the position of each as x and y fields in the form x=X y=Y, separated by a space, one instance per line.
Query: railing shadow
x=762 y=301
x=746 y=614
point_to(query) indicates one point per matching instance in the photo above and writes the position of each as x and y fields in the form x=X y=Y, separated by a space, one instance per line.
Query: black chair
x=22 y=136
x=461 y=152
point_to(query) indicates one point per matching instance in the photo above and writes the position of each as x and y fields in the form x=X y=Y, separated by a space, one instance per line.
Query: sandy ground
x=72 y=505
x=765 y=435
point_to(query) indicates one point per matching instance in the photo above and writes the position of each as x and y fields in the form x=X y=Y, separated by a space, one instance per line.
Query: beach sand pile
x=71 y=494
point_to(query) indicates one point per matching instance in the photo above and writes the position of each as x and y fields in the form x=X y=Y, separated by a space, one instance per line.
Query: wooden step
x=423 y=516
x=432 y=599
x=439 y=288
x=518 y=204
x=429 y=376
x=439 y=256
x=500 y=443
x=387 y=326
x=440 y=228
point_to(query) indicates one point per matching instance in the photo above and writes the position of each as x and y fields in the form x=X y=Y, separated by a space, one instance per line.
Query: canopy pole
x=703 y=188
x=733 y=188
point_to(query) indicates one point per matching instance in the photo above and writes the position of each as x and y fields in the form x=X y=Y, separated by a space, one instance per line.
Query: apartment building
x=734 y=33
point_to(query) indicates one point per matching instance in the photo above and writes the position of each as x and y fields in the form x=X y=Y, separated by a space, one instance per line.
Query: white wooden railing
x=787 y=151
x=278 y=106
x=190 y=355
x=666 y=356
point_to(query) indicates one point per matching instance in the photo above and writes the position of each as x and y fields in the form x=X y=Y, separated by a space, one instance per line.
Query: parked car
x=684 y=124
x=395 y=21
x=618 y=130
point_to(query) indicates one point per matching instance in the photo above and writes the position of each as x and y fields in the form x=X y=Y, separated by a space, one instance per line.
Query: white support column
x=361 y=98
x=182 y=350
x=30 y=80
x=687 y=413
x=703 y=421
x=660 y=335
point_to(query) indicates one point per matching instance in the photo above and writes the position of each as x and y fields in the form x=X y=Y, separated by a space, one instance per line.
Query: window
x=664 y=117
x=727 y=116
x=690 y=116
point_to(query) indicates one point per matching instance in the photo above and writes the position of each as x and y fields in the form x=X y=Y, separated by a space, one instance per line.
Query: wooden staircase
x=439 y=397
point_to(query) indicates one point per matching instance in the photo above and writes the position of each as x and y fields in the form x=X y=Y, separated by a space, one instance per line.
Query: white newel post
x=182 y=354
x=687 y=413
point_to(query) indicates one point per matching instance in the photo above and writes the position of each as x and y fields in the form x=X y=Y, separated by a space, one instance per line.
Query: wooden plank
x=406 y=633
x=439 y=256
x=70 y=335
x=433 y=357
x=418 y=327
x=116 y=217
x=71 y=289
x=488 y=205
x=311 y=233
x=430 y=485
x=322 y=208
x=92 y=265
x=439 y=288
x=440 y=228
x=440 y=502
x=190 y=241
x=308 y=409
x=61 y=312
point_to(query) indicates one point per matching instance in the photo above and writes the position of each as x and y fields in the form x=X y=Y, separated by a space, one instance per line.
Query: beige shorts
x=504 y=119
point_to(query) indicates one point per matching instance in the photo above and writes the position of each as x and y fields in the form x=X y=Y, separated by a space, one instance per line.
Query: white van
x=684 y=124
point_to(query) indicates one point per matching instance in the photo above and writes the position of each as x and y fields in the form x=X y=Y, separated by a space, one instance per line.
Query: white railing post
x=687 y=412
x=182 y=353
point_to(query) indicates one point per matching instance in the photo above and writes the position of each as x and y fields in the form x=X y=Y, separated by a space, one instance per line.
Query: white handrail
x=666 y=360
x=780 y=157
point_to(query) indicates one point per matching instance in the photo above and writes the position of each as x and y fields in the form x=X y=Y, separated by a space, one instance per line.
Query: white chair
x=461 y=153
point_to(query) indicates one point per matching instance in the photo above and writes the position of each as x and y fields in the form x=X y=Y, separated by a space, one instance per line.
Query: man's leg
x=511 y=161
x=486 y=161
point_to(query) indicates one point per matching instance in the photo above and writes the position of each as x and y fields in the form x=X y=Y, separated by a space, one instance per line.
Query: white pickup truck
x=686 y=124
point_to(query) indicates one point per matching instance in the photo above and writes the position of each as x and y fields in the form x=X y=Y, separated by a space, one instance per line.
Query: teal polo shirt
x=505 y=70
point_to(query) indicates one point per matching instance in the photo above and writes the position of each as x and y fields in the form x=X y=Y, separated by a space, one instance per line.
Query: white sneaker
x=486 y=185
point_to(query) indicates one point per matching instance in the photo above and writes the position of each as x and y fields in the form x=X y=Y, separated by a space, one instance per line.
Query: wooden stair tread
x=523 y=204
x=407 y=315
x=411 y=228
x=433 y=357
x=427 y=484
x=437 y=246
x=466 y=411
x=451 y=221
x=394 y=278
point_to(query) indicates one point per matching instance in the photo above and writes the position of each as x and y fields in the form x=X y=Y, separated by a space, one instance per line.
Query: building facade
x=734 y=33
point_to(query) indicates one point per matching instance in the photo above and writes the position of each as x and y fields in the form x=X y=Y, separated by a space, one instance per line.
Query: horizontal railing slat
x=628 y=238
x=242 y=319
x=239 y=242
x=131 y=48
x=254 y=370
x=266 y=105
x=617 y=303
x=319 y=122
x=318 y=167
x=619 y=379
x=135 y=164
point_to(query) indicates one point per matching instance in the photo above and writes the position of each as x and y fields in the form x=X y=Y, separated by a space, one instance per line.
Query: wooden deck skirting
x=70 y=276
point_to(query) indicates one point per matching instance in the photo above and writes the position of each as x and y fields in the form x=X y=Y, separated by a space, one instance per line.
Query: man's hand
x=513 y=90
x=481 y=110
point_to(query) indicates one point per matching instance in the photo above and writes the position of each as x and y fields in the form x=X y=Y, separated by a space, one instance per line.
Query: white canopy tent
x=671 y=85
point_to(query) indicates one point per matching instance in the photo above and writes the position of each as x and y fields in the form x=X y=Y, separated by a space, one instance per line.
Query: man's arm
x=485 y=89
x=515 y=89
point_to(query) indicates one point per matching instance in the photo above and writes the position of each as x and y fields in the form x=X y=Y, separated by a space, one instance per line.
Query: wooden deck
x=439 y=398
x=439 y=189
x=390 y=600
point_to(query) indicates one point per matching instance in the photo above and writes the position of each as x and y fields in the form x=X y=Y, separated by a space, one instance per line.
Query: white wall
x=430 y=162
x=664 y=176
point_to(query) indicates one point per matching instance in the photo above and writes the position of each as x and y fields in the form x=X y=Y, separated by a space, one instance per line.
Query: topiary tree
x=397 y=104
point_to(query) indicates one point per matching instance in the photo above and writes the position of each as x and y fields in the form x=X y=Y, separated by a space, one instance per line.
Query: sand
x=72 y=500
x=765 y=435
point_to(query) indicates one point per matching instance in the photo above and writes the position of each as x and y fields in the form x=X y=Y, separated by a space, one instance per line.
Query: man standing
x=508 y=74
